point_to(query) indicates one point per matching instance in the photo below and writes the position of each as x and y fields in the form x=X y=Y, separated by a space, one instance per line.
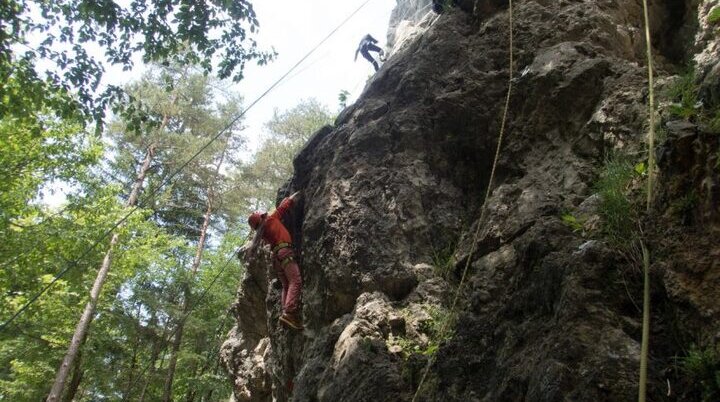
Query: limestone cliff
x=409 y=19
x=550 y=312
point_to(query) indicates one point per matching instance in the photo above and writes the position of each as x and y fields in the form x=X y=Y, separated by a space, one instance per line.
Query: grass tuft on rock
x=619 y=213
x=714 y=16
x=702 y=367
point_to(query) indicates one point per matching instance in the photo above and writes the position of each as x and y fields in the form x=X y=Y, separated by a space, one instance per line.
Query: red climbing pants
x=288 y=272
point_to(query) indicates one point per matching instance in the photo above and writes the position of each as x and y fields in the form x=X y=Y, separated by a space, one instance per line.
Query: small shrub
x=343 y=97
x=714 y=16
x=570 y=220
x=441 y=325
x=618 y=212
x=443 y=260
x=686 y=204
x=702 y=366
x=686 y=104
x=448 y=3
x=438 y=329
x=640 y=168
x=660 y=134
x=684 y=95
x=367 y=345
x=713 y=121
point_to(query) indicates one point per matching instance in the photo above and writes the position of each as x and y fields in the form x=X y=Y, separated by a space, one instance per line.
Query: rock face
x=409 y=19
x=390 y=221
x=247 y=352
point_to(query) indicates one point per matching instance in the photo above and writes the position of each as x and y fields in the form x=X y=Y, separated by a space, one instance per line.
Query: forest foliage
x=64 y=187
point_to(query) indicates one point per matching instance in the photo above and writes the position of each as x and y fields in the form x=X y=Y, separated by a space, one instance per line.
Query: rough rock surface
x=247 y=351
x=392 y=201
x=409 y=18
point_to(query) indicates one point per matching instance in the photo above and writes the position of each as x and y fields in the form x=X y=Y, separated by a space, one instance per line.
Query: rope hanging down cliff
x=483 y=208
x=172 y=176
x=644 y=346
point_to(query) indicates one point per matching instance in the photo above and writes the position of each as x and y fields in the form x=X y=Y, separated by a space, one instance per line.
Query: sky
x=293 y=28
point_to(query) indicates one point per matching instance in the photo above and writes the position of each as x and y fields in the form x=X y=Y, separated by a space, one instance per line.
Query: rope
x=644 y=347
x=651 y=107
x=642 y=388
x=173 y=175
x=483 y=208
x=312 y=63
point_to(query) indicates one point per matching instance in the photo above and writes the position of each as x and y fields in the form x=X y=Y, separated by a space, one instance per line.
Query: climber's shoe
x=291 y=321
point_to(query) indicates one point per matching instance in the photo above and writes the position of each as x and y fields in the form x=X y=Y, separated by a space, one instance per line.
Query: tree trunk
x=131 y=372
x=75 y=380
x=190 y=396
x=82 y=326
x=198 y=370
x=167 y=394
x=157 y=347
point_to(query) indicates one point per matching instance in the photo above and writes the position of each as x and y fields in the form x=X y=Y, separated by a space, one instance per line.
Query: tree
x=83 y=324
x=213 y=35
x=33 y=346
x=200 y=248
x=211 y=202
x=32 y=155
x=150 y=145
x=162 y=313
x=145 y=291
x=295 y=126
x=272 y=165
x=194 y=201
x=200 y=375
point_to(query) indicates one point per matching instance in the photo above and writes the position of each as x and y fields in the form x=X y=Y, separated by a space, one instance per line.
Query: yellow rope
x=644 y=347
x=642 y=389
x=483 y=208
x=651 y=90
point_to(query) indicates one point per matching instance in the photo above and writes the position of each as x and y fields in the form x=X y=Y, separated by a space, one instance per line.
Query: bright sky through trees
x=292 y=28
x=295 y=27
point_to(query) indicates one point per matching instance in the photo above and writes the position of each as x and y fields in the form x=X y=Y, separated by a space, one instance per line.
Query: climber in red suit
x=271 y=229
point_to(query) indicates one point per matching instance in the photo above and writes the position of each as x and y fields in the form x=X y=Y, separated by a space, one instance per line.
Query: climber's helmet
x=256 y=218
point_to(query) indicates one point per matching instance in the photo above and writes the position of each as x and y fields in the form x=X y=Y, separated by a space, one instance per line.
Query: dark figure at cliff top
x=367 y=44
x=270 y=229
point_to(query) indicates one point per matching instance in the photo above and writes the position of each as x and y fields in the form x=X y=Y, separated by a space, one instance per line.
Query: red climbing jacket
x=274 y=232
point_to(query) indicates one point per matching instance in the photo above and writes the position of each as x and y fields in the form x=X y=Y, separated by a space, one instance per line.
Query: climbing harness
x=288 y=258
x=281 y=246
x=483 y=208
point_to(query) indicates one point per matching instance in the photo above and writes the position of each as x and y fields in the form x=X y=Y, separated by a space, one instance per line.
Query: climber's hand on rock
x=243 y=254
